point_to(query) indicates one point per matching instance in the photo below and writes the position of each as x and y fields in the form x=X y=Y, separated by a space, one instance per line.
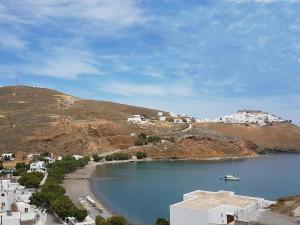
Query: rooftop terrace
x=203 y=200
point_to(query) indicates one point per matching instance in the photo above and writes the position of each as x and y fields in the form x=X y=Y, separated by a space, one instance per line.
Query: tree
x=96 y=157
x=116 y=220
x=141 y=155
x=162 y=221
x=31 y=180
x=81 y=214
x=64 y=207
x=100 y=220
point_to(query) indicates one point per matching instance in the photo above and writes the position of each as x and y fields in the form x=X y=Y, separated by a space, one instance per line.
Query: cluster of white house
x=15 y=207
x=162 y=117
x=222 y=207
x=246 y=117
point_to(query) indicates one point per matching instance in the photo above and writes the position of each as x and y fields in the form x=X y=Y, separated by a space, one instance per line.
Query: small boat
x=231 y=178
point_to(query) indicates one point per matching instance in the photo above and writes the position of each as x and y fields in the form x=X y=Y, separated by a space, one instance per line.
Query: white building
x=178 y=121
x=174 y=115
x=15 y=208
x=247 y=117
x=222 y=207
x=39 y=166
x=8 y=156
x=77 y=157
x=160 y=114
x=135 y=119
x=162 y=118
x=87 y=221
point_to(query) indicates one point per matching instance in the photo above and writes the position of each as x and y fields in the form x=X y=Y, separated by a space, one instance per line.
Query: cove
x=143 y=191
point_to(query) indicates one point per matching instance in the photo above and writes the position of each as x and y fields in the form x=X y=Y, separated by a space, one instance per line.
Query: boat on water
x=231 y=178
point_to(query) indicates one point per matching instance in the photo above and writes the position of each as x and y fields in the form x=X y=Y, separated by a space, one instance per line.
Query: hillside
x=277 y=137
x=44 y=120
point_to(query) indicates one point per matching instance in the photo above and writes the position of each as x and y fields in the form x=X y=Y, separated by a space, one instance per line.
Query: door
x=230 y=218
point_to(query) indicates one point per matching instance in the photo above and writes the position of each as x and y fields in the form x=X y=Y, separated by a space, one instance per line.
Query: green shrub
x=81 y=214
x=143 y=139
x=162 y=221
x=31 y=180
x=117 y=156
x=141 y=155
x=100 y=220
x=96 y=157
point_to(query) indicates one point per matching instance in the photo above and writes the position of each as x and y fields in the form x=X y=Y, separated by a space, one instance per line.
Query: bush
x=117 y=156
x=100 y=220
x=113 y=220
x=141 y=155
x=21 y=168
x=162 y=221
x=81 y=214
x=96 y=157
x=31 y=180
x=143 y=139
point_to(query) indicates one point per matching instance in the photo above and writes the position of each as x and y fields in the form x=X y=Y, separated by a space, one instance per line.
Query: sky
x=205 y=58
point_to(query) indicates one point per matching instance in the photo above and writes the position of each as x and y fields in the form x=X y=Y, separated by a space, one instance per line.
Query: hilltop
x=43 y=120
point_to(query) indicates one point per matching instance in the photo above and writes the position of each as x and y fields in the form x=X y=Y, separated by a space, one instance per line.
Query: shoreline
x=78 y=183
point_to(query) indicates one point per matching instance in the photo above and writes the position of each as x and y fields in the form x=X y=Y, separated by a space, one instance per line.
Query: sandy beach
x=77 y=185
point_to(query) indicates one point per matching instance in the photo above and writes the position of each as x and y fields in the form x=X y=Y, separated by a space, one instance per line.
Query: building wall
x=219 y=215
x=182 y=216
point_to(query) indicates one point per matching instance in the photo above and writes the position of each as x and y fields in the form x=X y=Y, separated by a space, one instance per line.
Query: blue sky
x=205 y=58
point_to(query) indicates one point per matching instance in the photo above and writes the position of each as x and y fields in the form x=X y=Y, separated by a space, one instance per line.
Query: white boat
x=231 y=178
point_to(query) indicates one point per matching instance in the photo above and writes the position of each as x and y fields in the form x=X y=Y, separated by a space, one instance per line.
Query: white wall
x=182 y=216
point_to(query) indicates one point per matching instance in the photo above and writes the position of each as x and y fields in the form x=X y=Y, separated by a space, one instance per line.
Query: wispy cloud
x=11 y=41
x=117 y=12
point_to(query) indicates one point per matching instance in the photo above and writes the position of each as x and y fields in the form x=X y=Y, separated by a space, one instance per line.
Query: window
x=2 y=194
x=2 y=205
x=26 y=210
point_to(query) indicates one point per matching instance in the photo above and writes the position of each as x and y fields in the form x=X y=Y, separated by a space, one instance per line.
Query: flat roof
x=204 y=200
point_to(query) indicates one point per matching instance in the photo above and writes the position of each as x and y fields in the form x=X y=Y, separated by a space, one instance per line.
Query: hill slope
x=44 y=120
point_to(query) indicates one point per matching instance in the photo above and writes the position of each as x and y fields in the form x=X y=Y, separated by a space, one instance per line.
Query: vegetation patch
x=31 y=180
x=144 y=139
x=52 y=194
x=117 y=156
x=141 y=155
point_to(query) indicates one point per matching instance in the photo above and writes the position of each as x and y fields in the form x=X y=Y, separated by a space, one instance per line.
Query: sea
x=143 y=191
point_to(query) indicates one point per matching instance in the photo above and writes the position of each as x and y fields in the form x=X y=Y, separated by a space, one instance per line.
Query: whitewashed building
x=178 y=121
x=160 y=114
x=174 y=115
x=15 y=208
x=87 y=221
x=162 y=118
x=222 y=207
x=39 y=166
x=135 y=119
x=77 y=157
x=8 y=156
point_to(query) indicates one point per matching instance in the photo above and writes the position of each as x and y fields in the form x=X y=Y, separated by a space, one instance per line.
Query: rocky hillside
x=44 y=120
x=276 y=137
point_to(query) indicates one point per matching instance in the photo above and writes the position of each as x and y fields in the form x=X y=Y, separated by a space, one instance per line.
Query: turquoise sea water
x=143 y=191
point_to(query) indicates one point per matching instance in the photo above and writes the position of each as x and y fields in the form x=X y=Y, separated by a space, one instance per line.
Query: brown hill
x=44 y=120
x=277 y=137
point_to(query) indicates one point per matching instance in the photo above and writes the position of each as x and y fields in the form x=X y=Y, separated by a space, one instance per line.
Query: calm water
x=143 y=191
